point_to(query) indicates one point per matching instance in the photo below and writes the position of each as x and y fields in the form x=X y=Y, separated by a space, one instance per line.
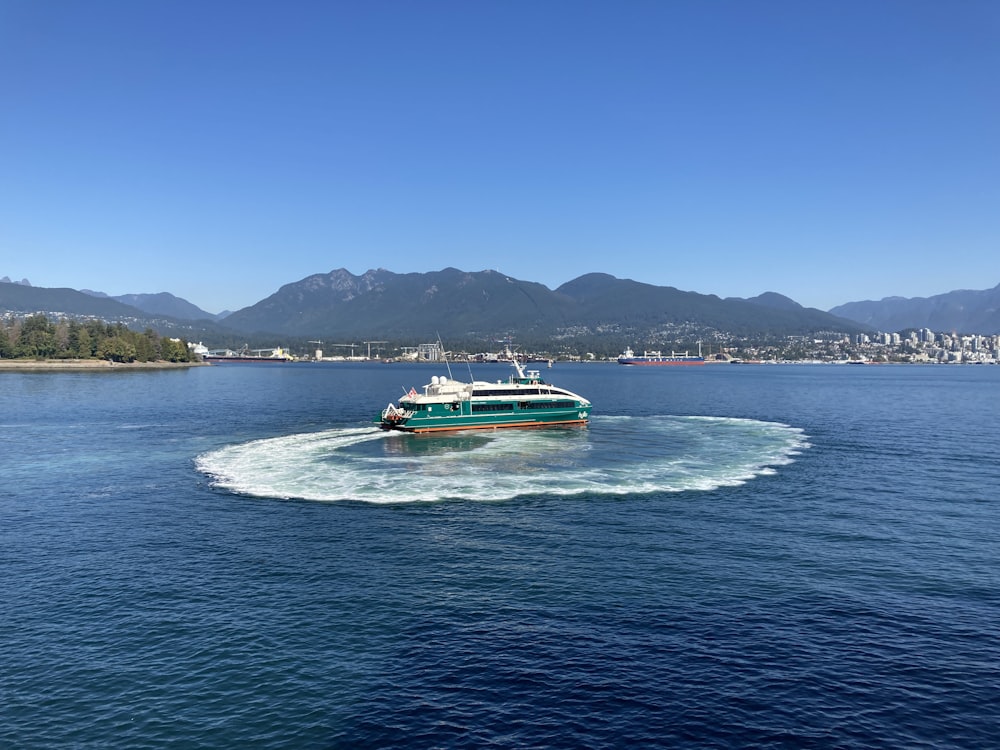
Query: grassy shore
x=90 y=364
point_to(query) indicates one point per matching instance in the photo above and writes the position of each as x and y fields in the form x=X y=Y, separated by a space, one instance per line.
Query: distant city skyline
x=831 y=153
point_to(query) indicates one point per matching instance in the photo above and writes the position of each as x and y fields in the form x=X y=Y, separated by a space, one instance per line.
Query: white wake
x=613 y=456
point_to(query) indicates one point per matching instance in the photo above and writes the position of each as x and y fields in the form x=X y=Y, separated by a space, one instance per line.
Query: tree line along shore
x=36 y=340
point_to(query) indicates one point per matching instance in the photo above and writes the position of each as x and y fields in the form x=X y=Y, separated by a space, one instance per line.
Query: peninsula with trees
x=36 y=339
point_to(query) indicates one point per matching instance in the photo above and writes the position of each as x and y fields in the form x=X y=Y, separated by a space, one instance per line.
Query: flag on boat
x=413 y=392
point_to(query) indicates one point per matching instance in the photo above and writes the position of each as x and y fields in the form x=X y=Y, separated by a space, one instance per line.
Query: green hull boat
x=523 y=400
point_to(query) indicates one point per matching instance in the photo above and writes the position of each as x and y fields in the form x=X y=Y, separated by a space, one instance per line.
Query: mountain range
x=478 y=305
x=162 y=303
x=460 y=305
x=962 y=311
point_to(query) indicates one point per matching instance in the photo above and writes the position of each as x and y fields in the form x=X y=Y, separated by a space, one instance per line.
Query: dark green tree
x=175 y=350
x=78 y=342
x=6 y=348
x=37 y=338
x=117 y=348
x=144 y=350
x=98 y=331
x=155 y=348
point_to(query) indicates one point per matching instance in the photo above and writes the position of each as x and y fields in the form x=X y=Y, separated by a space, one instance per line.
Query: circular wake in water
x=614 y=456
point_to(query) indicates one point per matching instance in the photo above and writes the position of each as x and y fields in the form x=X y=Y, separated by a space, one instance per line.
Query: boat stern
x=393 y=418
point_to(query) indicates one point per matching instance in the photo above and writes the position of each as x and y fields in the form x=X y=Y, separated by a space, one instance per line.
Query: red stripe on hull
x=486 y=426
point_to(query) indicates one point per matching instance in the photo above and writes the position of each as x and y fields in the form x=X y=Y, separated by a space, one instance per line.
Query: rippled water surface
x=774 y=556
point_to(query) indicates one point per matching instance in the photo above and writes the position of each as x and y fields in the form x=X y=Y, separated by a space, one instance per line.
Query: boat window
x=493 y=407
x=546 y=405
x=508 y=392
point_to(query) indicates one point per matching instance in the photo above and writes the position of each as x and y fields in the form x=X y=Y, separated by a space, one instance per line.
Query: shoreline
x=91 y=364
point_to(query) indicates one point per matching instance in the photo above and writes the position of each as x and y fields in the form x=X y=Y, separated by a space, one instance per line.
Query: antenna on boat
x=444 y=354
x=512 y=355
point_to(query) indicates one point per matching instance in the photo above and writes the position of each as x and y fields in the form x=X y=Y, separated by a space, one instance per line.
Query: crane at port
x=376 y=347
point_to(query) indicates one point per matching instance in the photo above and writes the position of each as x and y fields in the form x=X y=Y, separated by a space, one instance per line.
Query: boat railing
x=393 y=413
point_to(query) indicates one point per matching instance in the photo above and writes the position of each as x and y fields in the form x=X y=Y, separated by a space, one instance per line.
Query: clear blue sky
x=831 y=151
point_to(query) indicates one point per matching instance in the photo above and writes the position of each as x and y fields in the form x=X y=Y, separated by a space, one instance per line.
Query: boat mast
x=444 y=354
x=513 y=361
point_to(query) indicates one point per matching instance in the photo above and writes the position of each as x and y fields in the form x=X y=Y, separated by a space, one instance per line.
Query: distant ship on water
x=247 y=355
x=628 y=357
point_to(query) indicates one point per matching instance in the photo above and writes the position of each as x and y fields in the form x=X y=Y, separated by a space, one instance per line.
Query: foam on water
x=614 y=456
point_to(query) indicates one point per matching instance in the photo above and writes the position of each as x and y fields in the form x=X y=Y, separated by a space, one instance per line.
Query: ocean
x=788 y=556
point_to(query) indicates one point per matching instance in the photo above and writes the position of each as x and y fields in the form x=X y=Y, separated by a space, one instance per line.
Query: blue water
x=757 y=556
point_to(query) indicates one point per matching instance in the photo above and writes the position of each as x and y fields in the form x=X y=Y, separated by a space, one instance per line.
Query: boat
x=628 y=357
x=222 y=358
x=247 y=355
x=523 y=400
